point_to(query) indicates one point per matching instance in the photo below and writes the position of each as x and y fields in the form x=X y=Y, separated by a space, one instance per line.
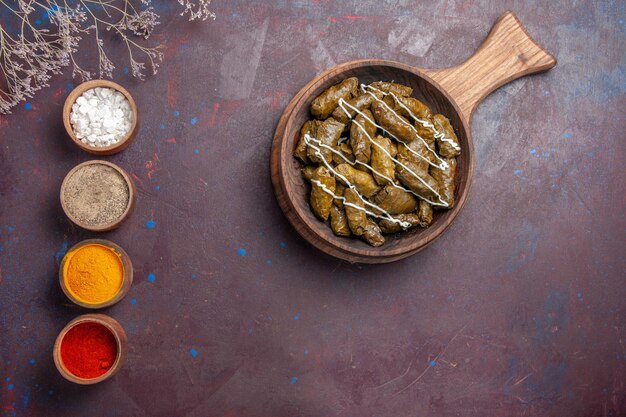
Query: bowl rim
x=109 y=226
x=113 y=326
x=127 y=279
x=67 y=110
x=280 y=164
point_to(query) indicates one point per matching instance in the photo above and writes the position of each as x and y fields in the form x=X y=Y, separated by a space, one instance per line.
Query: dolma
x=392 y=122
x=361 y=132
x=357 y=218
x=301 y=148
x=388 y=226
x=425 y=186
x=339 y=192
x=425 y=213
x=418 y=152
x=410 y=107
x=372 y=234
x=345 y=150
x=362 y=181
x=361 y=102
x=398 y=89
x=339 y=221
x=321 y=200
x=445 y=179
x=383 y=149
x=447 y=141
x=328 y=132
x=414 y=106
x=324 y=104
x=395 y=201
x=358 y=222
x=308 y=172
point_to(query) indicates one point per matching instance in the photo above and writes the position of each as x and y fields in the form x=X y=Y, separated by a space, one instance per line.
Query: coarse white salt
x=101 y=117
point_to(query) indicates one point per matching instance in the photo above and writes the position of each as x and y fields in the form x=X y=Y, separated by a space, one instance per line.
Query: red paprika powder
x=88 y=350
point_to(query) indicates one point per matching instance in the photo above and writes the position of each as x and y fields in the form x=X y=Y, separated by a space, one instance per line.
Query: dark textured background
x=517 y=310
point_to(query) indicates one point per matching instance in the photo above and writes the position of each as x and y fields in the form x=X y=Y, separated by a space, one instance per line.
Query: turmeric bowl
x=95 y=273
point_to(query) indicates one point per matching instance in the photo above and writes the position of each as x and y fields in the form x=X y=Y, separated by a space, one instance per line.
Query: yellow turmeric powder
x=93 y=273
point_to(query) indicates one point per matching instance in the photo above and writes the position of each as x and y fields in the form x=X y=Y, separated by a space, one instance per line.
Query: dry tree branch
x=30 y=57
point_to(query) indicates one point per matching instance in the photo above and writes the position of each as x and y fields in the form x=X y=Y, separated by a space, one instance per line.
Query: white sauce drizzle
x=424 y=123
x=385 y=216
x=442 y=203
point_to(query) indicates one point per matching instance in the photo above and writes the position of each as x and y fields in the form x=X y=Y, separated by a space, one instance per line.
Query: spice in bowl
x=96 y=273
x=88 y=350
x=97 y=195
x=101 y=117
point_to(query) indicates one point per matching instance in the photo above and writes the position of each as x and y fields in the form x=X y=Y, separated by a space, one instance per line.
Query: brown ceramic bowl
x=101 y=227
x=107 y=150
x=126 y=282
x=122 y=347
x=507 y=53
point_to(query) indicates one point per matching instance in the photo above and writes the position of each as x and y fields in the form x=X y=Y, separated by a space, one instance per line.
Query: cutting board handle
x=508 y=53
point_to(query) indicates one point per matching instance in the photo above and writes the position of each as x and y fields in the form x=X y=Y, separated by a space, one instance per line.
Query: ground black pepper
x=96 y=195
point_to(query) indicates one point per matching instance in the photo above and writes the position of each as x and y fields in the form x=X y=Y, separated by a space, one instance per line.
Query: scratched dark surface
x=517 y=310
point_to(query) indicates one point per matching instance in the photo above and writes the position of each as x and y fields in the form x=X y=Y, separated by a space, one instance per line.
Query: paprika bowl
x=127 y=276
x=121 y=341
x=106 y=150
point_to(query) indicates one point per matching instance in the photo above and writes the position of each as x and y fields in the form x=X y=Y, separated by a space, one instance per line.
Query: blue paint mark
x=546 y=154
x=241 y=252
x=10 y=228
x=533 y=151
x=450 y=297
x=38 y=22
x=546 y=93
x=579 y=295
x=32 y=361
x=194 y=120
x=432 y=363
x=196 y=151
x=69 y=87
x=151 y=277
x=283 y=245
x=621 y=21
x=193 y=352
x=28 y=106
x=294 y=380
x=306 y=352
x=133 y=301
x=61 y=252
x=150 y=224
x=157 y=187
x=176 y=113
x=125 y=70
x=296 y=317
x=269 y=262
x=567 y=135
x=194 y=276
x=518 y=172
x=10 y=387
x=51 y=392
x=26 y=399
x=162 y=126
x=554 y=319
x=8 y=378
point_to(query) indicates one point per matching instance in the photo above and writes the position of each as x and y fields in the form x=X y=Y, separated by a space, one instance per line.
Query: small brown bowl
x=126 y=281
x=120 y=337
x=107 y=150
x=507 y=53
x=108 y=226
